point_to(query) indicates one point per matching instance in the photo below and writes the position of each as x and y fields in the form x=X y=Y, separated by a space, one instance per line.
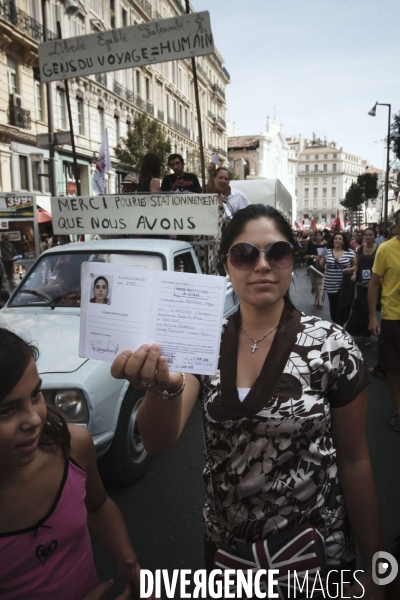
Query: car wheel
x=127 y=460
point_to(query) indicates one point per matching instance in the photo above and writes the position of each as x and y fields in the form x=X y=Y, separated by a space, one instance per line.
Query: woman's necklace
x=254 y=347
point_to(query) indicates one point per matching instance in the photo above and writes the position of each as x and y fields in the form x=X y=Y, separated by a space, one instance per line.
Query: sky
x=322 y=63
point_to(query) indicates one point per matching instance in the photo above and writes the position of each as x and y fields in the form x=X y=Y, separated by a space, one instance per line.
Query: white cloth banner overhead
x=102 y=166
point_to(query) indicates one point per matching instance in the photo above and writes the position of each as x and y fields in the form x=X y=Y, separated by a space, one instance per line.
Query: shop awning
x=43 y=215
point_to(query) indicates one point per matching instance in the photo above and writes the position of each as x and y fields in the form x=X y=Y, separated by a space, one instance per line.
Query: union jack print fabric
x=301 y=550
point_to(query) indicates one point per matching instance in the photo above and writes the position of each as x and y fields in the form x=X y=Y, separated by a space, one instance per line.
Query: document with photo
x=123 y=307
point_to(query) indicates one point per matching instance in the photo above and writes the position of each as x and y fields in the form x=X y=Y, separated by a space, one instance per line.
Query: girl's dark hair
x=98 y=279
x=151 y=167
x=240 y=219
x=346 y=244
x=15 y=356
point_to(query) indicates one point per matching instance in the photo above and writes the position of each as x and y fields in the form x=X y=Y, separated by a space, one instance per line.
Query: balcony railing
x=22 y=21
x=210 y=115
x=222 y=152
x=146 y=5
x=160 y=115
x=221 y=121
x=19 y=117
x=178 y=127
x=149 y=108
x=140 y=103
x=129 y=95
x=219 y=90
x=117 y=87
x=101 y=78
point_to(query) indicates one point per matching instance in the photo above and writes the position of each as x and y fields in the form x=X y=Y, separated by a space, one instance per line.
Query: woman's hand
x=348 y=270
x=146 y=366
x=353 y=277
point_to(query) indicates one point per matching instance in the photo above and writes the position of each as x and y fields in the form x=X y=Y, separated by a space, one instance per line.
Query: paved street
x=163 y=510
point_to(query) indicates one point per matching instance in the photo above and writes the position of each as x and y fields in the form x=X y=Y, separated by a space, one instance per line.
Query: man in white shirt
x=231 y=199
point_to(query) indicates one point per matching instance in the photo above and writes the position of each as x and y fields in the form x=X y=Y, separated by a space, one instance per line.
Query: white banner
x=103 y=165
x=150 y=214
x=183 y=36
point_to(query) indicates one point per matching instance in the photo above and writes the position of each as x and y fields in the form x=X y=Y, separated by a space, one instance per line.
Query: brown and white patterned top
x=272 y=456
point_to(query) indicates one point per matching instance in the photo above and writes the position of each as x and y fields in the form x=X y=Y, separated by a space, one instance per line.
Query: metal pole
x=50 y=118
x=71 y=127
x=385 y=218
x=196 y=95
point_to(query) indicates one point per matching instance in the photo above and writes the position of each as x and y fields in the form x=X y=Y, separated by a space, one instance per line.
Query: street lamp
x=71 y=7
x=372 y=113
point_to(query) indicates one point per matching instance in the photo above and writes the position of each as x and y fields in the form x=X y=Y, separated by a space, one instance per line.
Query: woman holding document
x=284 y=412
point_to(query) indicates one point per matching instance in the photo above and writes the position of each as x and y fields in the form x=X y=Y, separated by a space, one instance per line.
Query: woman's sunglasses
x=244 y=255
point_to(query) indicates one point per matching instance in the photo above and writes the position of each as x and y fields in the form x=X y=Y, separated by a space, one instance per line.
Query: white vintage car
x=45 y=309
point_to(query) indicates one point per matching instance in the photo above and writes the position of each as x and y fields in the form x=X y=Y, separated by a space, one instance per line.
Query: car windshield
x=55 y=279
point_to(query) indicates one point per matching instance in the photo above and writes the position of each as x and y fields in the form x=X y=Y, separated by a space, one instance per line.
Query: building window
x=324 y=204
x=335 y=156
x=325 y=156
x=325 y=168
x=116 y=128
x=333 y=191
x=11 y=75
x=315 y=179
x=124 y=18
x=100 y=121
x=315 y=192
x=306 y=192
x=307 y=168
x=324 y=180
x=316 y=156
x=35 y=176
x=315 y=203
x=23 y=172
x=324 y=191
x=316 y=168
x=46 y=171
x=60 y=103
x=79 y=113
x=333 y=179
x=38 y=101
x=306 y=202
x=306 y=179
x=138 y=83
x=307 y=157
x=334 y=167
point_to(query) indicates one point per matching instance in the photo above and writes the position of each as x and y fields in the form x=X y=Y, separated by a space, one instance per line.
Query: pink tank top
x=52 y=560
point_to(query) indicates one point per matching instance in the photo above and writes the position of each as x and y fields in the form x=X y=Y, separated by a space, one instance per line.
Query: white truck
x=45 y=309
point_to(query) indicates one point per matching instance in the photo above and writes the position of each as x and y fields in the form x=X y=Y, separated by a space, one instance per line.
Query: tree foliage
x=366 y=188
x=146 y=135
x=395 y=137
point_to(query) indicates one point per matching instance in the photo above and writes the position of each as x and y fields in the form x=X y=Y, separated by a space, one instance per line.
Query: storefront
x=18 y=218
x=66 y=175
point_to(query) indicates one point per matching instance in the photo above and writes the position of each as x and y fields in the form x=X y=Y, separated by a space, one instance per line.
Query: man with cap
x=129 y=184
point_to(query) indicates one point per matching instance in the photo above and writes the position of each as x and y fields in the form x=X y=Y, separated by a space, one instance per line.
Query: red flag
x=336 y=223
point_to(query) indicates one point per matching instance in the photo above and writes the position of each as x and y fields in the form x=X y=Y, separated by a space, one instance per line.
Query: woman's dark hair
x=240 y=219
x=151 y=167
x=370 y=229
x=346 y=244
x=15 y=356
x=98 y=279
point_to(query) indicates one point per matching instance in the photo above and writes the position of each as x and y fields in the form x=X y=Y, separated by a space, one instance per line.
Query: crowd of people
x=360 y=276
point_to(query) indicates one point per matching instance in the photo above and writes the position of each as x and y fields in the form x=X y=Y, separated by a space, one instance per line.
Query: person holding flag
x=102 y=166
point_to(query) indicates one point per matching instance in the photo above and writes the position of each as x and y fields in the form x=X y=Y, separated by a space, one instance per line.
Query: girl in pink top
x=50 y=489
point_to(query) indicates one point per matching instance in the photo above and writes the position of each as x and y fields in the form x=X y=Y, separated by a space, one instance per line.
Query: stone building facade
x=163 y=91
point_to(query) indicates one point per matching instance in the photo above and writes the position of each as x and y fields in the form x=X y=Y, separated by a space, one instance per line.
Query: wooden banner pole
x=196 y=95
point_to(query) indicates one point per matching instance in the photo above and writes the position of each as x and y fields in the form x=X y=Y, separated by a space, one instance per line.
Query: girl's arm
x=104 y=517
x=155 y=185
x=357 y=483
x=160 y=421
x=353 y=267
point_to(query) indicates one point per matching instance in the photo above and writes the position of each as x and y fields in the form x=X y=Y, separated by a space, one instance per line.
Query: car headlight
x=71 y=404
